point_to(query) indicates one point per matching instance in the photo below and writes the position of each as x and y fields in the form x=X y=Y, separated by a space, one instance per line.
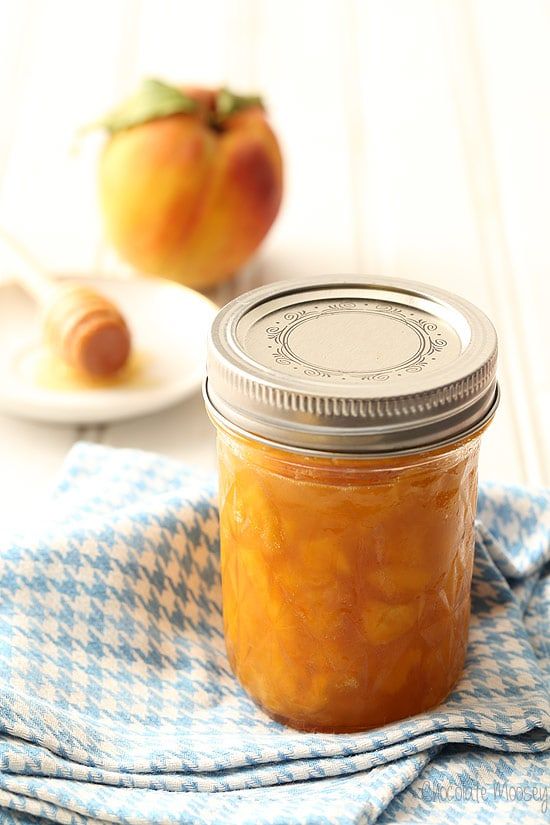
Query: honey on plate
x=347 y=491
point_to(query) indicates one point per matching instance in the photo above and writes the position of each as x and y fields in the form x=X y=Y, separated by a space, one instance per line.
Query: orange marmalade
x=346 y=572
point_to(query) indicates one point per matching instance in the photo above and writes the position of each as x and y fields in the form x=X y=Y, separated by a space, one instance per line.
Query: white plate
x=169 y=325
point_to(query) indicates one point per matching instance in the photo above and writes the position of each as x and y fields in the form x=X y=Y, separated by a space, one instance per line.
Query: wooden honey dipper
x=81 y=326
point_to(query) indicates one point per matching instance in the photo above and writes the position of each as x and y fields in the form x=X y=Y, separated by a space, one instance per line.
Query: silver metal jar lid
x=352 y=365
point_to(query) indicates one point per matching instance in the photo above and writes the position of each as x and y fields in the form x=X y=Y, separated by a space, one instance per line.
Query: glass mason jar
x=348 y=414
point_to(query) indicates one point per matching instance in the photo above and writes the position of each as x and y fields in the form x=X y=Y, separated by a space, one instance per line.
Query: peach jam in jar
x=349 y=413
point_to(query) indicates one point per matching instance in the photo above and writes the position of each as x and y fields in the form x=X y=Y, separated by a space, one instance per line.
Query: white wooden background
x=416 y=135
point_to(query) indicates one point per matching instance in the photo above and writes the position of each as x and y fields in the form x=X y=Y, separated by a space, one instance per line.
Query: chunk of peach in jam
x=346 y=582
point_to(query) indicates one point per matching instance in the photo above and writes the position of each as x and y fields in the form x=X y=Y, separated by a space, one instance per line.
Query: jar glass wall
x=346 y=581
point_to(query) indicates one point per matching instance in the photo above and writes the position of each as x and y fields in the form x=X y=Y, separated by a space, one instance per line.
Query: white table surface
x=416 y=143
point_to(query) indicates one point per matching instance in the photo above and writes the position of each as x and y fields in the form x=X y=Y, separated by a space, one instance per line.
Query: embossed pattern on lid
x=350 y=364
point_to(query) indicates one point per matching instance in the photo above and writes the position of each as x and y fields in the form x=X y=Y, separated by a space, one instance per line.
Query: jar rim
x=227 y=424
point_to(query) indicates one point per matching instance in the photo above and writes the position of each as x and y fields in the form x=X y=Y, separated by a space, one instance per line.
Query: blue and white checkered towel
x=117 y=703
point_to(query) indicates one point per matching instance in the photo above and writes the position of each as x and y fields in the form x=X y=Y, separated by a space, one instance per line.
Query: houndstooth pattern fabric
x=117 y=703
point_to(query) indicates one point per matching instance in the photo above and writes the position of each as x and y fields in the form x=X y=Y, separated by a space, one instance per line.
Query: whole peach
x=189 y=191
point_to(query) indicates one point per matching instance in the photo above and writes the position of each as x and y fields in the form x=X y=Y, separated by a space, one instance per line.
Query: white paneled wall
x=416 y=142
